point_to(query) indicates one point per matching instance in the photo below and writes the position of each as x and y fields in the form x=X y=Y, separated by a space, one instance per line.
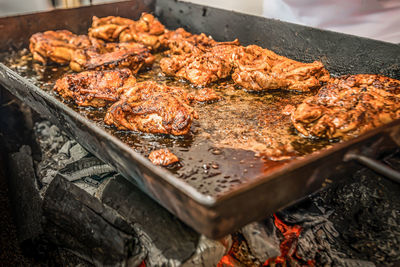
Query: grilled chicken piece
x=349 y=106
x=162 y=157
x=109 y=28
x=202 y=68
x=145 y=31
x=258 y=69
x=115 y=55
x=182 y=42
x=58 y=46
x=152 y=108
x=95 y=88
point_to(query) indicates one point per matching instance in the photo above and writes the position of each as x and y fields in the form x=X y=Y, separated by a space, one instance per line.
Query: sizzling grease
x=239 y=138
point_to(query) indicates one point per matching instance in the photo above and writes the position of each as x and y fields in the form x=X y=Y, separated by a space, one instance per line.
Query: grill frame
x=256 y=199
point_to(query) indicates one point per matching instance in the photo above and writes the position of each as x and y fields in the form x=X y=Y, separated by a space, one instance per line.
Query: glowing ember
x=226 y=261
x=288 y=246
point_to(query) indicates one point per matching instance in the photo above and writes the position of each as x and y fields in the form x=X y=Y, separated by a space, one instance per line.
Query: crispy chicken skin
x=202 y=68
x=162 y=157
x=95 y=88
x=152 y=108
x=258 y=69
x=58 y=46
x=145 y=31
x=349 y=106
x=114 y=55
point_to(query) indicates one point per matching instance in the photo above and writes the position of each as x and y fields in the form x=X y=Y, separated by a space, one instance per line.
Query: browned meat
x=258 y=69
x=95 y=88
x=349 y=106
x=57 y=46
x=162 y=157
x=202 y=68
x=122 y=55
x=145 y=31
x=204 y=95
x=152 y=108
x=109 y=28
x=84 y=53
x=183 y=42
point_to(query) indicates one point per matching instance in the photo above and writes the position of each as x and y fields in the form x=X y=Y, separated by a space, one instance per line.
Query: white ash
x=65 y=156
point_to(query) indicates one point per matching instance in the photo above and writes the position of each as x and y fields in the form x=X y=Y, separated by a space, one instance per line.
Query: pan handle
x=374 y=165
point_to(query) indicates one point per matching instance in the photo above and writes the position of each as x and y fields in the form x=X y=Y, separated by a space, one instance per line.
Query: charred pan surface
x=145 y=31
x=133 y=56
x=152 y=108
x=163 y=157
x=259 y=69
x=349 y=106
x=57 y=46
x=95 y=88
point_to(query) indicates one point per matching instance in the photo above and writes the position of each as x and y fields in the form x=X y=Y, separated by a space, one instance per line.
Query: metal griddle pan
x=250 y=201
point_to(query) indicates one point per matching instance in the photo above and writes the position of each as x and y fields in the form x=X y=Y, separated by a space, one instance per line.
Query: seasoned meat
x=145 y=31
x=109 y=28
x=182 y=42
x=57 y=46
x=95 y=88
x=349 y=106
x=204 y=95
x=114 y=55
x=258 y=69
x=163 y=157
x=202 y=68
x=152 y=108
x=84 y=53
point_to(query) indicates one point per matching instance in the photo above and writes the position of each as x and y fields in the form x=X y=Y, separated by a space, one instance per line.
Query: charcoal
x=25 y=196
x=169 y=242
x=262 y=239
x=86 y=226
x=208 y=252
x=57 y=151
x=85 y=167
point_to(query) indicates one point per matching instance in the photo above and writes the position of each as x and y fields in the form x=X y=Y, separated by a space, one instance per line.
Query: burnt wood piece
x=262 y=239
x=89 y=224
x=164 y=235
x=24 y=194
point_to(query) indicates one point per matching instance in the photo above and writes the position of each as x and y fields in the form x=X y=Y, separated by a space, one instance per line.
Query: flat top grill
x=224 y=146
x=220 y=185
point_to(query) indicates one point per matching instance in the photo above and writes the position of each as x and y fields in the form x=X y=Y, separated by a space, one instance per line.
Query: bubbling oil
x=242 y=137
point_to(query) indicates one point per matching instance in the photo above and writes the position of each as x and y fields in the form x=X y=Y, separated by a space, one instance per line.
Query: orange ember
x=288 y=246
x=226 y=261
x=237 y=255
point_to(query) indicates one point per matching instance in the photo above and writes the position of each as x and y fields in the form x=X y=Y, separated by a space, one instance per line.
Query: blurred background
x=376 y=19
x=12 y=7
